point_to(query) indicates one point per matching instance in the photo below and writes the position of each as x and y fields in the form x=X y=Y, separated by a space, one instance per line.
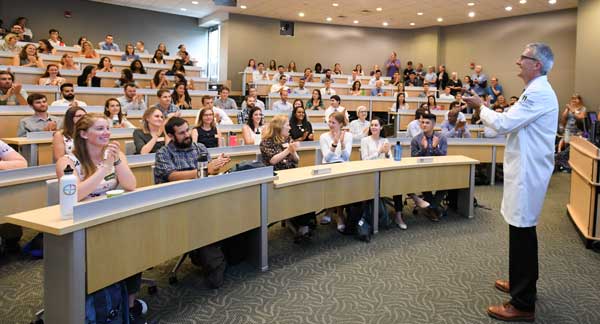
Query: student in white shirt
x=376 y=77
x=283 y=105
x=220 y=114
x=414 y=127
x=336 y=146
x=280 y=85
x=446 y=94
x=252 y=92
x=67 y=92
x=360 y=127
x=335 y=106
x=374 y=147
x=301 y=90
x=280 y=73
x=455 y=105
x=327 y=91
x=400 y=102
x=260 y=73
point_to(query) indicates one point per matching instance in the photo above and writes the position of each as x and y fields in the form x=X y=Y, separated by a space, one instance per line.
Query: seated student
x=67 y=62
x=279 y=85
x=252 y=130
x=206 y=131
x=413 y=80
x=224 y=102
x=100 y=166
x=354 y=78
x=301 y=90
x=130 y=99
x=181 y=50
x=129 y=54
x=252 y=92
x=158 y=57
x=177 y=67
x=337 y=69
x=181 y=97
x=374 y=147
x=10 y=44
x=376 y=77
x=462 y=105
x=247 y=105
x=11 y=93
x=28 y=57
x=163 y=49
x=396 y=80
x=187 y=60
x=126 y=78
x=278 y=151
x=178 y=160
x=301 y=128
x=112 y=110
x=401 y=103
x=335 y=106
x=44 y=47
x=140 y=47
x=513 y=100
x=160 y=80
x=455 y=84
x=280 y=73
x=447 y=94
x=21 y=35
x=88 y=77
x=62 y=140
x=494 y=89
x=316 y=102
x=308 y=75
x=327 y=91
x=292 y=67
x=108 y=44
x=360 y=127
x=220 y=114
x=500 y=105
x=429 y=143
x=151 y=137
x=10 y=159
x=318 y=68
x=425 y=93
x=336 y=146
x=67 y=92
x=251 y=67
x=356 y=90
x=358 y=68
x=80 y=42
x=180 y=78
x=455 y=105
x=105 y=65
x=137 y=67
x=260 y=73
x=54 y=38
x=283 y=105
x=298 y=103
x=409 y=68
x=374 y=70
x=378 y=90
x=455 y=128
x=414 y=127
x=432 y=103
x=165 y=103
x=88 y=51
x=430 y=76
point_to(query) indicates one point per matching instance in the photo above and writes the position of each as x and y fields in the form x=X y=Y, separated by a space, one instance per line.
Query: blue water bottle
x=398 y=151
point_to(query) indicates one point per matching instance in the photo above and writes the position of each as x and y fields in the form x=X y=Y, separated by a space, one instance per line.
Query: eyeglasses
x=525 y=57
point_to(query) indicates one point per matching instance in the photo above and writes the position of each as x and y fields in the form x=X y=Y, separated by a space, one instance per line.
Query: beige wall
x=254 y=37
x=587 y=70
x=497 y=44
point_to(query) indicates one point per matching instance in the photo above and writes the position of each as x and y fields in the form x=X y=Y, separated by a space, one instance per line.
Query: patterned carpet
x=431 y=273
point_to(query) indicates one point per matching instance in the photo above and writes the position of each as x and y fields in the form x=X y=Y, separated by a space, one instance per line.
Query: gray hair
x=543 y=53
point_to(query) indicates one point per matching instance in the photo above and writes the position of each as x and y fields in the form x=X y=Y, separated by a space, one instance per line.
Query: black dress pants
x=523 y=267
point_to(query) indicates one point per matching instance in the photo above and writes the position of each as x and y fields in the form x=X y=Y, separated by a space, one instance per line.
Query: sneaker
x=326 y=220
x=139 y=307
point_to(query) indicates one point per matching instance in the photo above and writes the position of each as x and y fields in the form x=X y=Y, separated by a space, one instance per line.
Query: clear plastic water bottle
x=115 y=120
x=398 y=151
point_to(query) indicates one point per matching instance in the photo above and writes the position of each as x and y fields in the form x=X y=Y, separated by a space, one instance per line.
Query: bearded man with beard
x=67 y=92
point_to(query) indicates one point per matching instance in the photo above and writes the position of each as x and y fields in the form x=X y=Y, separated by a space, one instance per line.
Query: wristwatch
x=117 y=162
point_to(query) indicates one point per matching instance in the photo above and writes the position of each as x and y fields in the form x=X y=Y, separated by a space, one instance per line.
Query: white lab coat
x=530 y=126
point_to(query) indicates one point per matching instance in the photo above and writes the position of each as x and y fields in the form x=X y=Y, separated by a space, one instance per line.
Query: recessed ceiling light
x=378 y=8
x=412 y=24
x=440 y=19
x=301 y=14
x=471 y=4
x=523 y=1
x=194 y=2
x=243 y=6
x=419 y=14
x=335 y=4
x=551 y=1
x=182 y=9
x=508 y=8
x=356 y=21
x=385 y=23
x=472 y=14
x=328 y=19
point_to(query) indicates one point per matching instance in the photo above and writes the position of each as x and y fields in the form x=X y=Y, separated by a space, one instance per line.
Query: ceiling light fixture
x=243 y=6
x=379 y=9
x=183 y=9
x=551 y=1
x=356 y=21
x=412 y=24
x=440 y=19
x=385 y=23
x=419 y=14
x=301 y=14
x=335 y=4
x=471 y=4
x=328 y=19
x=523 y=1
x=508 y=8
x=194 y=2
x=472 y=14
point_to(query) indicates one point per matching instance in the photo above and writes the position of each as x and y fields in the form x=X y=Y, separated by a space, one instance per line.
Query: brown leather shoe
x=502 y=285
x=507 y=312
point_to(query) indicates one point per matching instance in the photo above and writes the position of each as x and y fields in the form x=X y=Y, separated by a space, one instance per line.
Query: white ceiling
x=397 y=13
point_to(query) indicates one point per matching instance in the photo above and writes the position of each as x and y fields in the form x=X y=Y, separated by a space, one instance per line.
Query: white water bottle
x=115 y=120
x=68 y=193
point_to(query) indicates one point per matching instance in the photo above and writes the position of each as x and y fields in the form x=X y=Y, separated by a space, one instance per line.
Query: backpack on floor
x=108 y=305
x=364 y=227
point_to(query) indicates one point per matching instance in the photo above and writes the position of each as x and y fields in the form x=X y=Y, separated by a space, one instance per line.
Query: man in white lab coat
x=530 y=126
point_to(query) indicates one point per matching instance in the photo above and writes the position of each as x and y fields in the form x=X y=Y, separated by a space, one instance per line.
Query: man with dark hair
x=178 y=160
x=40 y=121
x=67 y=91
x=11 y=93
x=280 y=72
x=224 y=102
x=220 y=115
x=165 y=103
x=413 y=80
x=327 y=76
x=131 y=100
x=108 y=44
x=280 y=85
x=21 y=36
x=187 y=60
x=429 y=143
x=409 y=68
x=283 y=105
x=335 y=107
x=54 y=38
x=376 y=77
